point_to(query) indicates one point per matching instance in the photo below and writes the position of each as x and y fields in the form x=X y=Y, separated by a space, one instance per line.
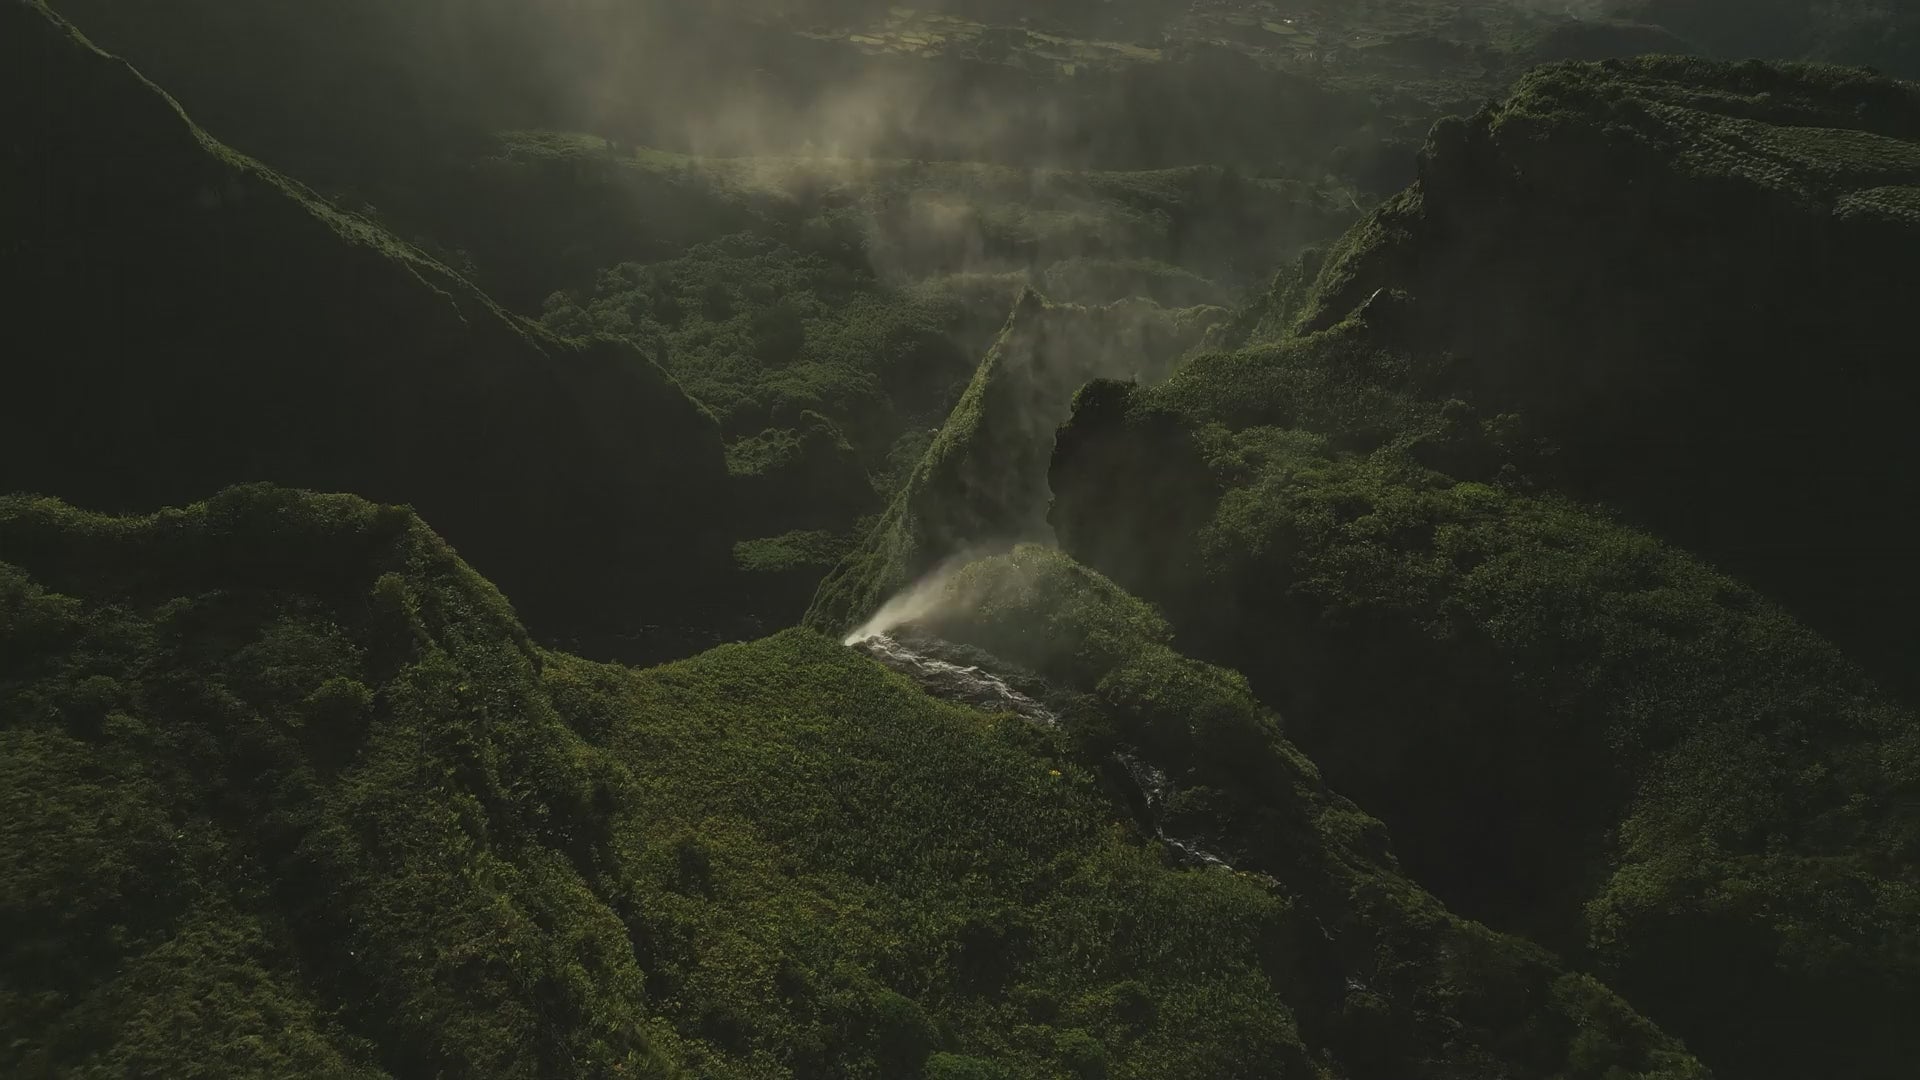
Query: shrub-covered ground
x=894 y=278
x=1690 y=278
x=1578 y=732
x=1379 y=508
x=1512 y=504
x=290 y=790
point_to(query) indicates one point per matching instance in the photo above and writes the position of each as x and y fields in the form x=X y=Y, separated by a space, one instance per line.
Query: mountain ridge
x=1595 y=733
x=251 y=331
x=1527 y=556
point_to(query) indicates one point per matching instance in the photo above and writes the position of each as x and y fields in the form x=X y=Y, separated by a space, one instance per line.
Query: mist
x=788 y=538
x=932 y=595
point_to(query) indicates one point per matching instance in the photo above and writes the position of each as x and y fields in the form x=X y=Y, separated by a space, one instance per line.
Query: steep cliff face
x=1691 y=278
x=184 y=318
x=983 y=482
x=1381 y=509
x=1575 y=731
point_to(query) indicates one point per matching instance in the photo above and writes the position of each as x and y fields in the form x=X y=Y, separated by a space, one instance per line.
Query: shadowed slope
x=184 y=318
x=1693 y=279
x=1671 y=284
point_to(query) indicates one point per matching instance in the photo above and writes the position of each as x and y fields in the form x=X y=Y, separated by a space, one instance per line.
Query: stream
x=973 y=685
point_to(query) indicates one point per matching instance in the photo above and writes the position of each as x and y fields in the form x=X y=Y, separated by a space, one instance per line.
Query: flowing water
x=966 y=684
x=1156 y=789
x=971 y=684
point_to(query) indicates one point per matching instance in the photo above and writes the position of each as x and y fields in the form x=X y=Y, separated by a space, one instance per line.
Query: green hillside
x=981 y=484
x=291 y=791
x=1104 y=540
x=1741 y=221
x=1579 y=731
x=185 y=318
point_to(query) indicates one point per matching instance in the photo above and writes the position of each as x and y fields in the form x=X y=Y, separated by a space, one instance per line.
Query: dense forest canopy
x=965 y=540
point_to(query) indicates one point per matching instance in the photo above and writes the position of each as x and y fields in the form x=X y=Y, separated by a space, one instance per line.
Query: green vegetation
x=1885 y=36
x=533 y=181
x=191 y=318
x=874 y=314
x=386 y=693
x=383 y=107
x=1740 y=220
x=1256 y=799
x=1568 y=702
x=293 y=791
x=982 y=481
x=759 y=332
x=1576 y=731
x=1547 y=514
x=287 y=797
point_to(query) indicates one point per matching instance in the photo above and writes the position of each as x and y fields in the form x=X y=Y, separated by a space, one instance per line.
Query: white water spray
x=913 y=603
